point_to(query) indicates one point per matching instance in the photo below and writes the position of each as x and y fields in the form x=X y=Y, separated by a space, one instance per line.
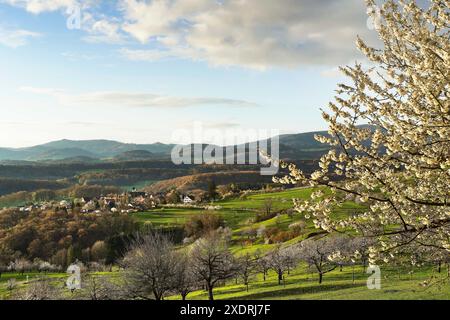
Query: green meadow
x=300 y=283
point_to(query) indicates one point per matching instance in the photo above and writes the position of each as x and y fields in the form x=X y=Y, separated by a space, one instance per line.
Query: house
x=187 y=200
x=65 y=204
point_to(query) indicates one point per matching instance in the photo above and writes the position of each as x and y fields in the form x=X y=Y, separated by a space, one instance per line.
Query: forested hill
x=292 y=146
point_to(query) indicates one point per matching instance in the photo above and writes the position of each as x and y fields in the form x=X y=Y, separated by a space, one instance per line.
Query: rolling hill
x=292 y=146
x=96 y=149
x=200 y=181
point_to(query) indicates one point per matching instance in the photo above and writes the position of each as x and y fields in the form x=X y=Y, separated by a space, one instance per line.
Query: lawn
x=236 y=212
x=337 y=285
x=301 y=284
x=239 y=214
x=21 y=280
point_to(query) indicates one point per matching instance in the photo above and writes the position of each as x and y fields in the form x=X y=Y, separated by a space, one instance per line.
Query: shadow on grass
x=298 y=291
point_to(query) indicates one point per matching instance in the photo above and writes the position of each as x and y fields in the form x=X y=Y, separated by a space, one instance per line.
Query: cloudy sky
x=135 y=70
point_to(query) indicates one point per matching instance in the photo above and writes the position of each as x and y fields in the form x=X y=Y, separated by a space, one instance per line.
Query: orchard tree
x=262 y=263
x=150 y=267
x=21 y=265
x=279 y=261
x=318 y=254
x=40 y=289
x=212 y=261
x=245 y=268
x=389 y=136
x=98 y=287
x=185 y=280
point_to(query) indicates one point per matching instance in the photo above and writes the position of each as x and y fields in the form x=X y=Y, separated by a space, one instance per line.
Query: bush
x=202 y=224
x=262 y=216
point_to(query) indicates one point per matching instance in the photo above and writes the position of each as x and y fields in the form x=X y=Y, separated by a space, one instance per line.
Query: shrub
x=202 y=224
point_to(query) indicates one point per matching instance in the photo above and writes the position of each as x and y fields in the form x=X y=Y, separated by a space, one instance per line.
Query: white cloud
x=127 y=99
x=16 y=38
x=39 y=6
x=102 y=29
x=255 y=34
x=99 y=28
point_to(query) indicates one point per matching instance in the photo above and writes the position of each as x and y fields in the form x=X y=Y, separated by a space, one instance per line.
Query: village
x=126 y=202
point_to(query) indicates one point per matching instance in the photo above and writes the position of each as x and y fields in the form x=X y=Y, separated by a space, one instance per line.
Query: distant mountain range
x=85 y=150
x=292 y=146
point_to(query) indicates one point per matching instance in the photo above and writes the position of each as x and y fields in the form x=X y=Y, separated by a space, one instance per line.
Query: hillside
x=8 y=186
x=89 y=148
x=201 y=181
x=65 y=153
x=292 y=146
x=134 y=155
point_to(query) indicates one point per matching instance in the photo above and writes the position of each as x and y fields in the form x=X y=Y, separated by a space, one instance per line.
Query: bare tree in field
x=351 y=252
x=185 y=280
x=267 y=207
x=98 y=288
x=360 y=248
x=40 y=289
x=245 y=268
x=262 y=263
x=20 y=265
x=317 y=254
x=278 y=261
x=150 y=267
x=212 y=261
x=290 y=256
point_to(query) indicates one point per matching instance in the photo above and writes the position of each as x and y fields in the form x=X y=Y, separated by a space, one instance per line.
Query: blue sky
x=136 y=71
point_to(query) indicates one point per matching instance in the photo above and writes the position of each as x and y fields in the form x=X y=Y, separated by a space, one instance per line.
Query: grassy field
x=239 y=215
x=21 y=280
x=301 y=284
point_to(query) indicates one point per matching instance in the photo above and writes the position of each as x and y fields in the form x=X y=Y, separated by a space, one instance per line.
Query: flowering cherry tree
x=389 y=132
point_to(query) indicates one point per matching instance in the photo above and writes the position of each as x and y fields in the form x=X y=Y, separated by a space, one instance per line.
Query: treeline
x=14 y=185
x=60 y=169
x=61 y=238
x=128 y=176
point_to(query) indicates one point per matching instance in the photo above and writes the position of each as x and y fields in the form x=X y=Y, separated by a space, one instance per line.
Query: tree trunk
x=264 y=275
x=439 y=266
x=183 y=296
x=210 y=291
x=157 y=296
x=320 y=278
x=280 y=277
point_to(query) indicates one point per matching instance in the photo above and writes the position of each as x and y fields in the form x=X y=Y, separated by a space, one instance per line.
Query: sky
x=145 y=71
